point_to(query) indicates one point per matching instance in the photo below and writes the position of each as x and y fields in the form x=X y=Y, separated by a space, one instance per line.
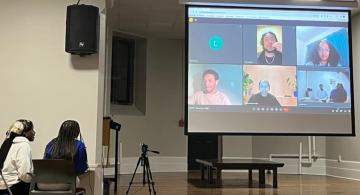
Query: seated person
x=338 y=95
x=308 y=94
x=272 y=50
x=15 y=158
x=264 y=98
x=211 y=95
x=324 y=54
x=66 y=146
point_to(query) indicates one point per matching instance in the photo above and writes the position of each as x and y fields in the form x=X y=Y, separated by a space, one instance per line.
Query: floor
x=236 y=183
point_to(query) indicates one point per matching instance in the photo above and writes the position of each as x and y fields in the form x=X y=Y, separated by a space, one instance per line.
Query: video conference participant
x=308 y=93
x=322 y=94
x=264 y=98
x=338 y=95
x=324 y=54
x=272 y=50
x=210 y=95
x=15 y=158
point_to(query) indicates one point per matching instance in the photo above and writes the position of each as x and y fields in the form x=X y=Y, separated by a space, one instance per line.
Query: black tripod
x=147 y=176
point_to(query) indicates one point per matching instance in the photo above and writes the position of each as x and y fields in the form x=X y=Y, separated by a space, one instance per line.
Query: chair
x=54 y=172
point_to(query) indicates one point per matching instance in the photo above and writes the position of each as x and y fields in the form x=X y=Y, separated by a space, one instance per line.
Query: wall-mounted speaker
x=82 y=27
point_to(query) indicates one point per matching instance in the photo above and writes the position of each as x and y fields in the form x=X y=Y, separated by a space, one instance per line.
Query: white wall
x=348 y=148
x=159 y=126
x=42 y=83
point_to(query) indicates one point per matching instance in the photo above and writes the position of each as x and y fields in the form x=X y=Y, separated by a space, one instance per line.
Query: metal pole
x=300 y=158
x=116 y=160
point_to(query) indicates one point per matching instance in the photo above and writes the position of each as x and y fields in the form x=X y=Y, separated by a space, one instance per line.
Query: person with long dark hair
x=66 y=146
x=324 y=54
x=15 y=158
x=338 y=95
x=272 y=50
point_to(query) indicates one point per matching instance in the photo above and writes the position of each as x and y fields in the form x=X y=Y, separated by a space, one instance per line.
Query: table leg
x=218 y=177
x=275 y=183
x=211 y=179
x=262 y=178
x=202 y=172
x=250 y=177
x=208 y=169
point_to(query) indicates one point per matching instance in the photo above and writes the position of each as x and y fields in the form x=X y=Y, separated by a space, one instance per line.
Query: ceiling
x=159 y=18
x=156 y=18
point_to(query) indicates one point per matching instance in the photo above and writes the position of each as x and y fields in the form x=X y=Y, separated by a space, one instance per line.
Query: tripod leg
x=132 y=179
x=150 y=175
x=147 y=176
x=144 y=172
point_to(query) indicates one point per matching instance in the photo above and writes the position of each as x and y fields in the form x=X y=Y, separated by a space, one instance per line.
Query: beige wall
x=348 y=147
x=237 y=146
x=40 y=81
x=158 y=128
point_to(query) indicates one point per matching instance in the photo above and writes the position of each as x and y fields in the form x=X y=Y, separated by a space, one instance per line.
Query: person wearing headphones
x=15 y=158
x=272 y=50
x=264 y=98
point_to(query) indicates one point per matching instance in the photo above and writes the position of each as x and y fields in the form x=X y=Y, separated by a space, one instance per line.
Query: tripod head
x=144 y=162
x=145 y=149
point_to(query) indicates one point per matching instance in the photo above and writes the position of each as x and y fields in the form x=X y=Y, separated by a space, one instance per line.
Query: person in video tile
x=264 y=98
x=324 y=54
x=272 y=50
x=210 y=95
x=338 y=95
x=322 y=94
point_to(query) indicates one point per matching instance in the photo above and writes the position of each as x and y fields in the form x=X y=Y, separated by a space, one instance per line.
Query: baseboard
x=318 y=167
x=330 y=167
x=157 y=164
x=343 y=169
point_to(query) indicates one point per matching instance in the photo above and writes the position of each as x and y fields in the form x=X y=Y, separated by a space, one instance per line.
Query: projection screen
x=268 y=71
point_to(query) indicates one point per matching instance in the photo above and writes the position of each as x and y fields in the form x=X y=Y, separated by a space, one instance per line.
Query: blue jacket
x=81 y=164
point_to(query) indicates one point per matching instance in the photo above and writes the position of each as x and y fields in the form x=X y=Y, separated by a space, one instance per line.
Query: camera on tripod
x=145 y=149
x=144 y=162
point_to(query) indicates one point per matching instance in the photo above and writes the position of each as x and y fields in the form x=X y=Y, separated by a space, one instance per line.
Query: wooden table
x=239 y=164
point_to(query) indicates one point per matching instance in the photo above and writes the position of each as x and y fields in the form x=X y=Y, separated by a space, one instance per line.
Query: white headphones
x=17 y=127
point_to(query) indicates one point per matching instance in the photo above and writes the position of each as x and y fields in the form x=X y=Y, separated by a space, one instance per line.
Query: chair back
x=53 y=172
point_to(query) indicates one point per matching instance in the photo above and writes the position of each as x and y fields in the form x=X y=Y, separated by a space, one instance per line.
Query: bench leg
x=202 y=172
x=262 y=178
x=218 y=177
x=210 y=174
x=250 y=177
x=275 y=183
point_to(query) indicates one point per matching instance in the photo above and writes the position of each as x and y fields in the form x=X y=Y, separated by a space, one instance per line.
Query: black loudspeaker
x=82 y=29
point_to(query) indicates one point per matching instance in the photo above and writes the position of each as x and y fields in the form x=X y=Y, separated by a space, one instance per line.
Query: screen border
x=186 y=130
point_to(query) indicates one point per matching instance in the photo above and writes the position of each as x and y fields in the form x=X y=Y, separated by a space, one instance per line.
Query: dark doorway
x=122 y=71
x=202 y=147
